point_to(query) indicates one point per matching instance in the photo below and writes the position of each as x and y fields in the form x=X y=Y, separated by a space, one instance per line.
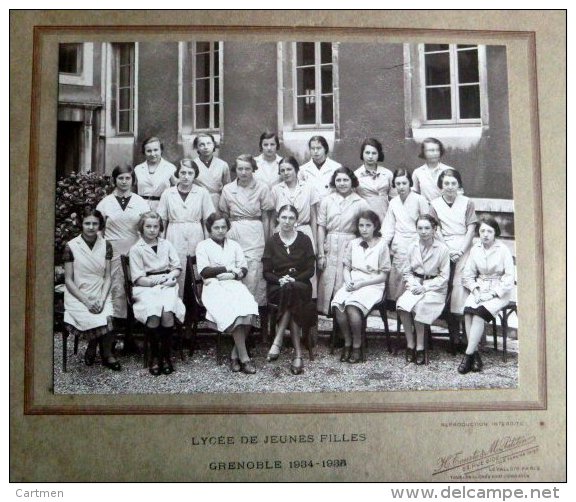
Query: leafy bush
x=73 y=193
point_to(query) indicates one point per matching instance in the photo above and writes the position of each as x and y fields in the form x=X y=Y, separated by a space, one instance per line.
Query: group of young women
x=304 y=239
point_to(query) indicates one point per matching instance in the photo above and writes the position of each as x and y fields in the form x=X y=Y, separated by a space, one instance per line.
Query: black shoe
x=295 y=368
x=466 y=364
x=420 y=358
x=248 y=367
x=410 y=355
x=90 y=354
x=154 y=367
x=346 y=353
x=166 y=366
x=235 y=365
x=113 y=365
x=355 y=357
x=477 y=364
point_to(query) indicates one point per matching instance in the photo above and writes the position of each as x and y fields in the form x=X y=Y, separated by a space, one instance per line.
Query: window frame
x=86 y=75
x=192 y=51
x=132 y=87
x=318 y=125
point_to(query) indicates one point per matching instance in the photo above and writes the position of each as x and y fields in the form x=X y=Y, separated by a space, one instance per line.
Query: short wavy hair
x=152 y=215
x=214 y=217
x=374 y=218
x=348 y=172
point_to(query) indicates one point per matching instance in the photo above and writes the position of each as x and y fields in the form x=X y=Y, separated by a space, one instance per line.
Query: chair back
x=125 y=262
x=192 y=290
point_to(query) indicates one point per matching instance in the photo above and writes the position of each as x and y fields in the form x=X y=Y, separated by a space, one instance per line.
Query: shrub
x=73 y=193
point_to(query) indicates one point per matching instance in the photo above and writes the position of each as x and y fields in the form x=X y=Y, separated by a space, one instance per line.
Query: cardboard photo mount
x=451 y=422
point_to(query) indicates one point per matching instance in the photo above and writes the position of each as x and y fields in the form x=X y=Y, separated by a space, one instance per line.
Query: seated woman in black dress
x=289 y=263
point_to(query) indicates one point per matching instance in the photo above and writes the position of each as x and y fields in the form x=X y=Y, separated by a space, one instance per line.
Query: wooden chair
x=193 y=285
x=504 y=315
x=381 y=308
x=62 y=327
x=132 y=323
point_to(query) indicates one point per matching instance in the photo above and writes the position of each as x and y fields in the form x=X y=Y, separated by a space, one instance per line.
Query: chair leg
x=333 y=334
x=384 y=316
x=179 y=333
x=307 y=335
x=192 y=345
x=146 y=347
x=427 y=343
x=505 y=334
x=495 y=334
x=364 y=339
x=218 y=348
x=76 y=344
x=64 y=349
x=398 y=329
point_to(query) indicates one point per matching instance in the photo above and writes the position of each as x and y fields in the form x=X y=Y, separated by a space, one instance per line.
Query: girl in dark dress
x=289 y=264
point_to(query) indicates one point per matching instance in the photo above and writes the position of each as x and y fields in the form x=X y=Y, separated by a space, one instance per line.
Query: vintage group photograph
x=279 y=217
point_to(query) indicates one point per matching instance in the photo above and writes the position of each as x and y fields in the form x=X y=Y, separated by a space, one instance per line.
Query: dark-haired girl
x=213 y=172
x=366 y=267
x=183 y=208
x=319 y=169
x=268 y=159
x=155 y=174
x=337 y=219
x=87 y=300
x=375 y=181
x=426 y=176
x=121 y=210
x=155 y=268
x=489 y=276
x=399 y=227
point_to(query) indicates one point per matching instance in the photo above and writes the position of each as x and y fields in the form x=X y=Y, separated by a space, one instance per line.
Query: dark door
x=67 y=148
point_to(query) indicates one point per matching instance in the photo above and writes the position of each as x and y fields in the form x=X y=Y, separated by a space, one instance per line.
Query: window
x=70 y=59
x=206 y=86
x=313 y=84
x=76 y=64
x=122 y=91
x=451 y=83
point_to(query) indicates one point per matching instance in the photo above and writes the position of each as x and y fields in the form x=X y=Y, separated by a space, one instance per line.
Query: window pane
x=202 y=46
x=305 y=81
x=327 y=109
x=464 y=46
x=326 y=52
x=203 y=90
x=124 y=103
x=438 y=69
x=326 y=76
x=69 y=58
x=202 y=65
x=202 y=116
x=216 y=90
x=216 y=60
x=304 y=53
x=438 y=104
x=306 y=111
x=435 y=47
x=469 y=102
x=216 y=116
x=468 y=67
x=125 y=76
x=124 y=122
x=124 y=52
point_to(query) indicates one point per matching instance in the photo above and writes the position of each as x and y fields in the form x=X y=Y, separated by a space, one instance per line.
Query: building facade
x=113 y=95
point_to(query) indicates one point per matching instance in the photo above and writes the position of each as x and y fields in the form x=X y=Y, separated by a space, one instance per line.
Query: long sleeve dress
x=185 y=219
x=430 y=268
x=375 y=188
x=152 y=301
x=426 y=180
x=89 y=267
x=491 y=271
x=364 y=263
x=228 y=303
x=244 y=206
x=338 y=216
x=122 y=232
x=319 y=178
x=399 y=230
x=454 y=221
x=152 y=186
x=298 y=261
x=213 y=177
x=267 y=172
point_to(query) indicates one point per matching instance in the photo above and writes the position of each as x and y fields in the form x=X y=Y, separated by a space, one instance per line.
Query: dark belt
x=158 y=273
x=425 y=277
x=150 y=197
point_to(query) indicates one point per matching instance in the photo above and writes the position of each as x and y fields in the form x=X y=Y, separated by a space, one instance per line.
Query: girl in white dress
x=268 y=160
x=121 y=210
x=155 y=174
x=229 y=304
x=366 y=267
x=319 y=169
x=399 y=227
x=87 y=300
x=213 y=172
x=489 y=276
x=426 y=274
x=426 y=176
x=457 y=218
x=155 y=267
x=183 y=210
x=375 y=180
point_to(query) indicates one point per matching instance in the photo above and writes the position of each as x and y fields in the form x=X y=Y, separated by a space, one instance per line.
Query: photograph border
x=31 y=406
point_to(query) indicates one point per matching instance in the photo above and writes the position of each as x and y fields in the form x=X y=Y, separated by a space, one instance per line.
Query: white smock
x=319 y=178
x=153 y=185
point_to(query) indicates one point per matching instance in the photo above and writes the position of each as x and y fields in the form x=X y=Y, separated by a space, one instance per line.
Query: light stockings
x=350 y=322
x=475 y=330
x=412 y=329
